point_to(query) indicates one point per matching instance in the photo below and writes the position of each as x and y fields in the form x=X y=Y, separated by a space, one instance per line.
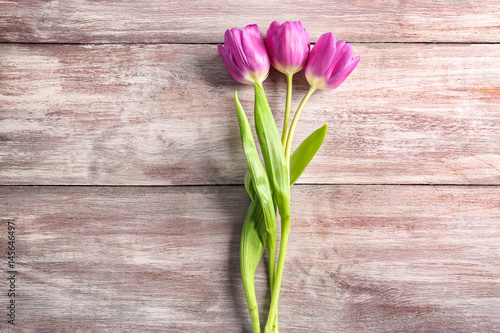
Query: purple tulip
x=245 y=54
x=330 y=63
x=288 y=45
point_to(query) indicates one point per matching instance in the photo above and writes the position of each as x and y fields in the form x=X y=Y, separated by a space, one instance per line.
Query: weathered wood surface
x=360 y=259
x=164 y=115
x=154 y=107
x=160 y=21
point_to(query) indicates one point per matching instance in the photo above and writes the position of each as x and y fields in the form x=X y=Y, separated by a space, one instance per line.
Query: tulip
x=329 y=63
x=245 y=54
x=288 y=45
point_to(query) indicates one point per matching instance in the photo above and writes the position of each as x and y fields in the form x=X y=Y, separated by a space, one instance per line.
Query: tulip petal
x=292 y=56
x=272 y=44
x=256 y=53
x=282 y=48
x=339 y=46
x=270 y=40
x=337 y=79
x=288 y=45
x=343 y=56
x=235 y=72
x=232 y=42
x=303 y=46
x=321 y=56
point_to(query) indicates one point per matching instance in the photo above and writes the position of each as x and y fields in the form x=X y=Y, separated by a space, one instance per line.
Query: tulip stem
x=289 y=82
x=272 y=319
x=254 y=314
x=271 y=247
x=288 y=147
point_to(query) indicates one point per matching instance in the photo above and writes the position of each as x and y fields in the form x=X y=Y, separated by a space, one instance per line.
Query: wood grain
x=164 y=115
x=160 y=21
x=360 y=259
x=134 y=93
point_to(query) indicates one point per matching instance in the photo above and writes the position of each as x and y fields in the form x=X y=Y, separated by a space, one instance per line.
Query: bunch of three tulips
x=248 y=59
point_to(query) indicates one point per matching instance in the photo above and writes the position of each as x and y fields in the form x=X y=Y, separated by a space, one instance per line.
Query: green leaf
x=272 y=151
x=249 y=185
x=298 y=162
x=257 y=171
x=305 y=152
x=263 y=202
x=301 y=157
x=253 y=238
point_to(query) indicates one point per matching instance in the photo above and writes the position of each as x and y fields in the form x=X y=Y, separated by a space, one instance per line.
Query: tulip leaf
x=272 y=151
x=300 y=158
x=253 y=238
x=249 y=185
x=263 y=201
x=305 y=152
x=257 y=171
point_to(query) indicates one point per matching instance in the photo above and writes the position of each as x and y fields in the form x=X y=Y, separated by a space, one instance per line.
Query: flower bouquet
x=248 y=59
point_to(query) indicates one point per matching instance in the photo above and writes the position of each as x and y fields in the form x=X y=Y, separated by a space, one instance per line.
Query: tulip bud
x=245 y=54
x=329 y=63
x=288 y=46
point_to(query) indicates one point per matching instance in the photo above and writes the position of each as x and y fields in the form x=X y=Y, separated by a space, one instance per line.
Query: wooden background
x=122 y=167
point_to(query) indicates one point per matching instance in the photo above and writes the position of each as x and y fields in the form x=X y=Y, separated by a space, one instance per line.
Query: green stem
x=249 y=288
x=288 y=147
x=289 y=81
x=271 y=246
x=272 y=319
x=284 y=137
x=254 y=314
x=273 y=311
x=259 y=84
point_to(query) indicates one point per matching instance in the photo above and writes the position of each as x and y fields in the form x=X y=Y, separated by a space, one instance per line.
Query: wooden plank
x=160 y=21
x=360 y=259
x=164 y=115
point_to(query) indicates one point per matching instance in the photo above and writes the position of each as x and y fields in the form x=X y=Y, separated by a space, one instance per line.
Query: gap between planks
x=238 y=185
x=199 y=43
